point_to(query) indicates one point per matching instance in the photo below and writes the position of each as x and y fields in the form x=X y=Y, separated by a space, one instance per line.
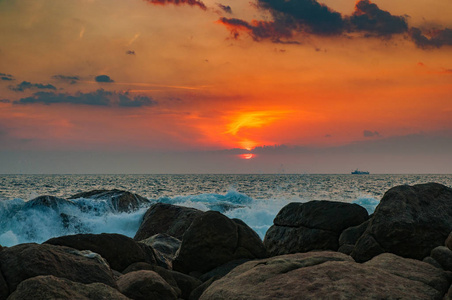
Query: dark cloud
x=103 y=78
x=370 y=18
x=432 y=38
x=258 y=30
x=225 y=8
x=5 y=101
x=97 y=98
x=130 y=52
x=370 y=134
x=199 y=4
x=6 y=77
x=69 y=79
x=25 y=85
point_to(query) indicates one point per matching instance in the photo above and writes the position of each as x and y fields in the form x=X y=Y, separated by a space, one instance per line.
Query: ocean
x=255 y=199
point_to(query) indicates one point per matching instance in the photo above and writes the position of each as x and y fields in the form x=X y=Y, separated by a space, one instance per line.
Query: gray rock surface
x=24 y=261
x=443 y=256
x=323 y=275
x=409 y=221
x=51 y=287
x=143 y=285
x=314 y=225
x=166 y=218
x=120 y=201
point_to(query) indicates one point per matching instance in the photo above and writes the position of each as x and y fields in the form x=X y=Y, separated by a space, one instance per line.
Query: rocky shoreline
x=314 y=250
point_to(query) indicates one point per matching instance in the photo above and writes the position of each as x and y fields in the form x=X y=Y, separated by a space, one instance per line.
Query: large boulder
x=166 y=218
x=142 y=285
x=165 y=248
x=51 y=287
x=51 y=202
x=120 y=251
x=24 y=261
x=443 y=256
x=448 y=242
x=315 y=225
x=409 y=221
x=323 y=275
x=119 y=201
x=213 y=240
x=4 y=290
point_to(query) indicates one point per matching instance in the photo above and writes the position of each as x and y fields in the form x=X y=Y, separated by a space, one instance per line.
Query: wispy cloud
x=25 y=85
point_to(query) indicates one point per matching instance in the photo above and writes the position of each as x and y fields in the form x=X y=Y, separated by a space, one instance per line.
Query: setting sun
x=247 y=156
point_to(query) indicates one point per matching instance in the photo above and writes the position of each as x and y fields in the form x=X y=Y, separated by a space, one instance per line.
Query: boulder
x=432 y=262
x=346 y=249
x=413 y=269
x=165 y=247
x=4 y=290
x=119 y=201
x=448 y=296
x=448 y=242
x=45 y=201
x=51 y=287
x=409 y=221
x=120 y=251
x=352 y=234
x=24 y=261
x=166 y=218
x=315 y=225
x=317 y=275
x=138 y=266
x=443 y=256
x=213 y=240
x=142 y=285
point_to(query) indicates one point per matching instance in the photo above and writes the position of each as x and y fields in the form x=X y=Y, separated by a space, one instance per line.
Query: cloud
x=370 y=134
x=199 y=4
x=370 y=18
x=5 y=101
x=69 y=79
x=6 y=77
x=103 y=78
x=432 y=38
x=225 y=8
x=258 y=30
x=96 y=98
x=130 y=52
x=25 y=85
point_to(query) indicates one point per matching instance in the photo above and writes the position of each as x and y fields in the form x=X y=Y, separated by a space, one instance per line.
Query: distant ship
x=358 y=172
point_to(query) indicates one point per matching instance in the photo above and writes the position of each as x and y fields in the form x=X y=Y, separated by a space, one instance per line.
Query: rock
x=443 y=256
x=315 y=225
x=315 y=275
x=166 y=218
x=412 y=269
x=4 y=290
x=138 y=266
x=222 y=270
x=448 y=242
x=120 y=251
x=213 y=240
x=145 y=285
x=51 y=202
x=432 y=262
x=119 y=201
x=346 y=249
x=448 y=296
x=24 y=261
x=165 y=247
x=409 y=221
x=51 y=287
x=196 y=293
x=352 y=234
x=182 y=282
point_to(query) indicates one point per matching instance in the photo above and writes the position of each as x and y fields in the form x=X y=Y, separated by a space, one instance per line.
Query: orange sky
x=182 y=81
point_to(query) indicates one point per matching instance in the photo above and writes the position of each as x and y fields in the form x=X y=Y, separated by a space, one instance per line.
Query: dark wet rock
x=414 y=270
x=183 y=283
x=51 y=287
x=51 y=202
x=120 y=201
x=196 y=293
x=166 y=218
x=432 y=262
x=352 y=234
x=443 y=256
x=213 y=240
x=315 y=225
x=138 y=266
x=318 y=275
x=448 y=296
x=448 y=242
x=24 y=261
x=165 y=248
x=346 y=249
x=222 y=270
x=142 y=285
x=120 y=251
x=4 y=290
x=409 y=221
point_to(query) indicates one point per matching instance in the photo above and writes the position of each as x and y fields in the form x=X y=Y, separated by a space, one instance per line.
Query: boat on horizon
x=358 y=172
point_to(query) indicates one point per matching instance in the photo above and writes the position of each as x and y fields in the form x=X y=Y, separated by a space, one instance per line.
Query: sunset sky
x=225 y=86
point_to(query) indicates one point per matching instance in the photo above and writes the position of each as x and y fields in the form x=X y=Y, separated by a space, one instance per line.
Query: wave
x=46 y=217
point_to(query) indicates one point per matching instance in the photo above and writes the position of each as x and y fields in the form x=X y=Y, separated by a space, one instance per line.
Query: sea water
x=255 y=199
